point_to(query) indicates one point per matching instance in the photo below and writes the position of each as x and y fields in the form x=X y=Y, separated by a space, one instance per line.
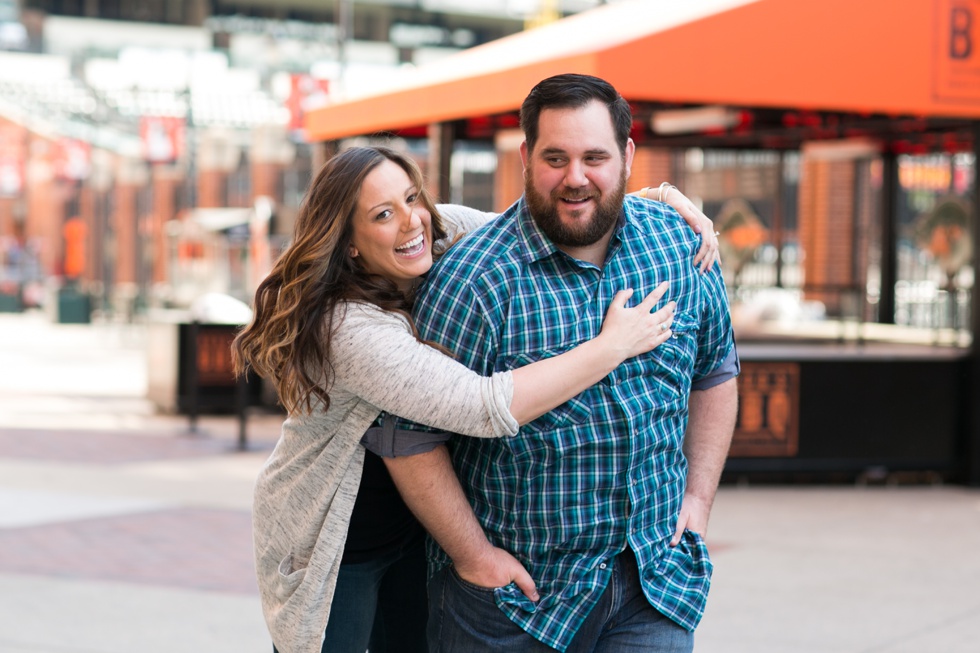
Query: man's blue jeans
x=464 y=617
x=380 y=604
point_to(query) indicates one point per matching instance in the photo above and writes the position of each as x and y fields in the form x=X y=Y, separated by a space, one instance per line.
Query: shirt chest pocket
x=681 y=349
x=683 y=342
x=671 y=364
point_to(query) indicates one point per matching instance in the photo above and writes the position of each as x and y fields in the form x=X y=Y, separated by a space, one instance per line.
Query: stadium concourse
x=121 y=530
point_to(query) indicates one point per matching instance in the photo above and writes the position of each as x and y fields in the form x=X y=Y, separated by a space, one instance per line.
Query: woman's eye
x=383 y=215
x=411 y=199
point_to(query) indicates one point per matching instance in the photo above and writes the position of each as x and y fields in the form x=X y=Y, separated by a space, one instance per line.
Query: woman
x=332 y=330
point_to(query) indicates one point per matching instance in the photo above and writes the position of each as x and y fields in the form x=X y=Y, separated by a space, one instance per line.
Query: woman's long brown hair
x=289 y=337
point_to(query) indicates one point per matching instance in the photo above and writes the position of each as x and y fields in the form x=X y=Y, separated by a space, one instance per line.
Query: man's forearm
x=428 y=484
x=708 y=438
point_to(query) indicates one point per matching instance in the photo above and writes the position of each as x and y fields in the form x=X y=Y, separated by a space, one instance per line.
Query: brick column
x=124 y=226
x=87 y=207
x=45 y=204
x=508 y=182
x=165 y=180
x=266 y=180
x=651 y=166
x=827 y=227
x=7 y=208
x=212 y=188
x=217 y=156
x=13 y=153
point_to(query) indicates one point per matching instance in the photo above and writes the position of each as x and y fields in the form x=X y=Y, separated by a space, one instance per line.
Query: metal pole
x=973 y=364
x=777 y=217
x=442 y=137
x=889 y=237
x=241 y=406
x=191 y=374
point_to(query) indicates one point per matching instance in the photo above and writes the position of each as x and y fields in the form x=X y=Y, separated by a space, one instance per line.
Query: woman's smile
x=412 y=248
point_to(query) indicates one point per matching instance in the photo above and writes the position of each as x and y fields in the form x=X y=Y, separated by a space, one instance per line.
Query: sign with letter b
x=956 y=54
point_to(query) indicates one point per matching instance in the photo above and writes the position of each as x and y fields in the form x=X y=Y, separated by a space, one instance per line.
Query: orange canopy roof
x=914 y=57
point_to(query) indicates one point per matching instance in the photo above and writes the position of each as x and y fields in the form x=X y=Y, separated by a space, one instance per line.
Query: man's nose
x=575 y=175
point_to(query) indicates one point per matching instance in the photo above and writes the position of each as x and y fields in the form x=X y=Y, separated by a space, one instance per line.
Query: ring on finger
x=663 y=326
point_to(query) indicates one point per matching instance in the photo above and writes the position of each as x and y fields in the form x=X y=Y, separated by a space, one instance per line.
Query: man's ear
x=524 y=154
x=628 y=158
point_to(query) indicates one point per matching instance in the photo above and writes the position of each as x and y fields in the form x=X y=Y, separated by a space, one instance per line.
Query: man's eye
x=555 y=161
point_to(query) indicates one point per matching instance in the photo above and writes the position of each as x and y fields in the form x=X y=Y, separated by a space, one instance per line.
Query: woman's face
x=392 y=229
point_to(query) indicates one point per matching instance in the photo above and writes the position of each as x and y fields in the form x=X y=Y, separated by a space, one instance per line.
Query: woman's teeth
x=413 y=246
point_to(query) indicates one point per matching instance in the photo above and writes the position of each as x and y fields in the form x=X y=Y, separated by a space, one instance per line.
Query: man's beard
x=544 y=210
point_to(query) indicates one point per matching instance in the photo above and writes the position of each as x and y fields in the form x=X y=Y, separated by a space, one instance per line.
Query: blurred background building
x=153 y=153
x=144 y=146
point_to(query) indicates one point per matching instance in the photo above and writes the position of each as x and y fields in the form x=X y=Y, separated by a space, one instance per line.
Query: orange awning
x=914 y=57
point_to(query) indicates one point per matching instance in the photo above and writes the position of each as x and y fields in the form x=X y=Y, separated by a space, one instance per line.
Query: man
x=605 y=499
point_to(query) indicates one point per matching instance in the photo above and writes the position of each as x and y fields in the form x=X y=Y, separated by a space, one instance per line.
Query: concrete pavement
x=121 y=531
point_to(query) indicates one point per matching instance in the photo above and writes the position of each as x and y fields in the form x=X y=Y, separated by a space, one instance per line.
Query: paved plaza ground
x=122 y=531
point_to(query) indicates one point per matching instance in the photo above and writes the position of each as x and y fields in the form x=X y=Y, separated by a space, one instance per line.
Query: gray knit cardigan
x=305 y=493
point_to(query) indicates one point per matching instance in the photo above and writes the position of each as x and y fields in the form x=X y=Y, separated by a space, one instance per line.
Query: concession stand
x=834 y=144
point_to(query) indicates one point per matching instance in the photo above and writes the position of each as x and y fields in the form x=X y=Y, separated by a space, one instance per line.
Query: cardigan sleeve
x=460 y=220
x=376 y=357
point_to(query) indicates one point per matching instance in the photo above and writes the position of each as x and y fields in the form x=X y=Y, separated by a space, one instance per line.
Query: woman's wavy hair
x=296 y=307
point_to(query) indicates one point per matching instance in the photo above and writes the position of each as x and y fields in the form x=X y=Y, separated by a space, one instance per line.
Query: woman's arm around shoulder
x=460 y=220
x=376 y=357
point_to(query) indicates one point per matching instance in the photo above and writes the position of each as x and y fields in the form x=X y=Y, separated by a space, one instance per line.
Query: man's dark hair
x=571 y=91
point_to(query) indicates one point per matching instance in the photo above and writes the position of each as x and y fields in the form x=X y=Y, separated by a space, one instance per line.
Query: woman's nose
x=414 y=219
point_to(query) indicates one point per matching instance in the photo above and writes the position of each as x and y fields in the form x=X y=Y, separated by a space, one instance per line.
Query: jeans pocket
x=478 y=591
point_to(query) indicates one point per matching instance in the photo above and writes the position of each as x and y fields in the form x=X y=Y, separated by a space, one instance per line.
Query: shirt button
x=602 y=566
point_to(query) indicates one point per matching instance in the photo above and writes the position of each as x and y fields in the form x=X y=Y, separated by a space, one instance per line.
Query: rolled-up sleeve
x=388 y=441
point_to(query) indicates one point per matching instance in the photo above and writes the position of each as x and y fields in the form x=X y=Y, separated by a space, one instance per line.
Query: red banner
x=306 y=92
x=163 y=138
x=13 y=154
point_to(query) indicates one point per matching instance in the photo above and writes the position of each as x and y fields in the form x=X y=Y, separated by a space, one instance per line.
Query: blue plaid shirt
x=605 y=470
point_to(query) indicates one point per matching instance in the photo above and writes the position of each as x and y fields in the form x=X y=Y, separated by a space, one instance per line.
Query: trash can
x=10 y=302
x=74 y=306
x=206 y=382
